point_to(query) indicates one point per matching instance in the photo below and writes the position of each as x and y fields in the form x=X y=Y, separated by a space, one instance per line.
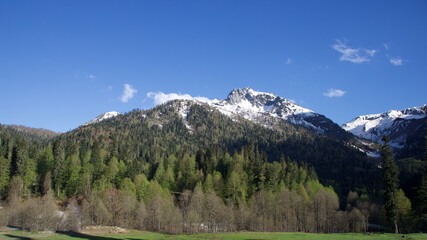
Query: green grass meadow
x=134 y=235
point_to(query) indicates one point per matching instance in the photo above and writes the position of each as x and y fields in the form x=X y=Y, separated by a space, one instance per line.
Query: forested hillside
x=193 y=171
x=32 y=134
x=211 y=191
x=144 y=136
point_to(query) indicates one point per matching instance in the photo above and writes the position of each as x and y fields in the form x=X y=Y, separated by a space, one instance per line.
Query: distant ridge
x=32 y=133
x=399 y=126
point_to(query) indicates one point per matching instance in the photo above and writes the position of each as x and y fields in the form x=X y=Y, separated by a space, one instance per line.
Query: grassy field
x=134 y=235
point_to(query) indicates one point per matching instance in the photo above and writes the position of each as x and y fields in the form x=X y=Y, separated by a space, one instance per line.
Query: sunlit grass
x=134 y=235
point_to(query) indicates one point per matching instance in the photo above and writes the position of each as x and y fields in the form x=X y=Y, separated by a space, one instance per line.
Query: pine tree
x=390 y=183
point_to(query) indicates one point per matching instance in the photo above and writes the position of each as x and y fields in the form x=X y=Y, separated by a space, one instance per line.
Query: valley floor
x=6 y=234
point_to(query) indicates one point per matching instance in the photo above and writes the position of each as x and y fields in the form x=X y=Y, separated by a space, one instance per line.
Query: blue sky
x=62 y=63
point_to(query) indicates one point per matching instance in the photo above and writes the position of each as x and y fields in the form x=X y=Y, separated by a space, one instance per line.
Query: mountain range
x=275 y=128
x=404 y=127
x=397 y=125
x=265 y=109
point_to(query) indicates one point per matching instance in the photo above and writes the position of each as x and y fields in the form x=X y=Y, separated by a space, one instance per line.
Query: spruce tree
x=422 y=188
x=390 y=182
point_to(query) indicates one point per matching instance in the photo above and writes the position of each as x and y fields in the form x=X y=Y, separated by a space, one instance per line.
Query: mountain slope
x=186 y=126
x=267 y=109
x=32 y=134
x=400 y=126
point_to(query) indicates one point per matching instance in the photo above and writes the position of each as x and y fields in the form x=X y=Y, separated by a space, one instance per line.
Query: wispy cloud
x=289 y=61
x=325 y=67
x=160 y=97
x=386 y=46
x=396 y=61
x=90 y=76
x=354 y=55
x=371 y=52
x=128 y=93
x=334 y=93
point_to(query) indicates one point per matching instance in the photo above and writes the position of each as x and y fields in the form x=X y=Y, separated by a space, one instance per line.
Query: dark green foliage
x=421 y=196
x=146 y=155
x=4 y=174
x=19 y=158
x=410 y=174
x=30 y=134
x=59 y=166
x=390 y=183
x=421 y=202
x=141 y=138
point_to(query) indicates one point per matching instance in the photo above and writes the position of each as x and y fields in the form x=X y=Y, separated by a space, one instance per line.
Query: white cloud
x=90 y=76
x=128 y=92
x=160 y=97
x=370 y=53
x=110 y=88
x=289 y=61
x=354 y=55
x=334 y=93
x=396 y=61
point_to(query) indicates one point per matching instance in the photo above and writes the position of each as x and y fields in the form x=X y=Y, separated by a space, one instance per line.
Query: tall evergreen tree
x=96 y=159
x=422 y=188
x=4 y=175
x=390 y=182
x=19 y=158
x=58 y=166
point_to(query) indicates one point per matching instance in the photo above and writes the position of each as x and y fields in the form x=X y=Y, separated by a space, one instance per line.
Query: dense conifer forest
x=148 y=170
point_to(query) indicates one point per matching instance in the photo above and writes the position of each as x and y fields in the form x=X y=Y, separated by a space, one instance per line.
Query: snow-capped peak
x=268 y=110
x=238 y=95
x=102 y=117
x=391 y=123
x=251 y=104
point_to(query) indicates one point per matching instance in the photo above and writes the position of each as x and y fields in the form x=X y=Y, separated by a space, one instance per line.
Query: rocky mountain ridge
x=398 y=125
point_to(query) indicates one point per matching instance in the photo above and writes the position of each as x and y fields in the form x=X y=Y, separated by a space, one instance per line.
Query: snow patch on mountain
x=183 y=110
x=391 y=123
x=103 y=117
x=256 y=106
x=265 y=109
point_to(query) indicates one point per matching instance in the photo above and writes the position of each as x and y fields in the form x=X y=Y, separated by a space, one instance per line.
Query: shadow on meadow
x=72 y=235
x=136 y=238
x=84 y=236
x=91 y=237
x=18 y=237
